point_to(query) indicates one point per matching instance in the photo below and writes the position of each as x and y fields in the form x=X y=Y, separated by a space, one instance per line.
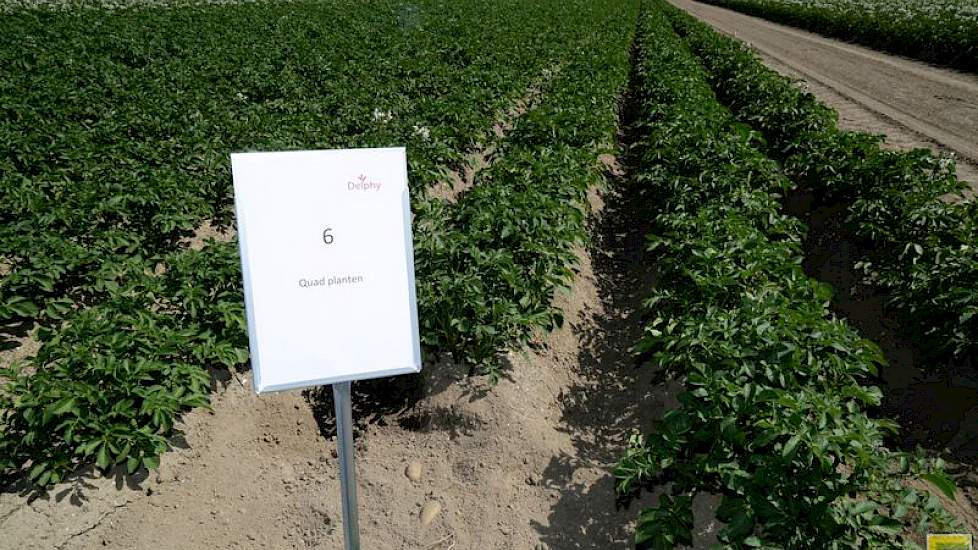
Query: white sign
x=328 y=264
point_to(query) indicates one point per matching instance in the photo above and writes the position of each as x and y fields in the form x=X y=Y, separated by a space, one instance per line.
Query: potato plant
x=113 y=378
x=776 y=412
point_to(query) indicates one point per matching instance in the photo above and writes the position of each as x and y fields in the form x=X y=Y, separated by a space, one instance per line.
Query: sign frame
x=350 y=161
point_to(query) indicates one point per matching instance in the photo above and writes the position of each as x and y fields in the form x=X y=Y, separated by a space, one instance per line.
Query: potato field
x=666 y=298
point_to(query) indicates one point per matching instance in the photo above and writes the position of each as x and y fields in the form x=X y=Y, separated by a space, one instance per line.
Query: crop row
x=944 y=32
x=924 y=252
x=115 y=126
x=774 y=415
x=111 y=379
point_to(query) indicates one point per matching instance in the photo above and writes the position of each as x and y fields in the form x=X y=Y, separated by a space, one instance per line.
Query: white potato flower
x=422 y=131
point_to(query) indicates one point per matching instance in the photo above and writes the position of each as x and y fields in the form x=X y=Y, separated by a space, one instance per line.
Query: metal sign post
x=348 y=476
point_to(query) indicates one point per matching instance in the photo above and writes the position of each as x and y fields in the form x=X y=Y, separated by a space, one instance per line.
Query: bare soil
x=912 y=103
x=17 y=343
x=206 y=231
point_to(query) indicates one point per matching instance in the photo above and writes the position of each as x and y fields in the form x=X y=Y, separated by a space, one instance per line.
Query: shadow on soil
x=617 y=394
x=11 y=333
x=79 y=484
x=934 y=403
x=402 y=400
x=377 y=401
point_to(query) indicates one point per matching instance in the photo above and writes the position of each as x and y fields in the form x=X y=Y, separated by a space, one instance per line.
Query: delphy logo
x=361 y=183
x=950 y=542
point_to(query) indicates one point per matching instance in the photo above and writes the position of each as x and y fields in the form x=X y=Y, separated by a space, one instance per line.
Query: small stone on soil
x=413 y=471
x=429 y=512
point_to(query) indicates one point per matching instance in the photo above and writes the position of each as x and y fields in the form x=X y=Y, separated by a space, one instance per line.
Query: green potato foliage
x=117 y=125
x=109 y=383
x=775 y=413
x=131 y=153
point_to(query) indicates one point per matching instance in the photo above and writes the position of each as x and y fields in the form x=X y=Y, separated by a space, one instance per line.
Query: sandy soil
x=914 y=104
x=17 y=343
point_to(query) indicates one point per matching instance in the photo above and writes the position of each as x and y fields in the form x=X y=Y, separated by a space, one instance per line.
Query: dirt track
x=912 y=103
